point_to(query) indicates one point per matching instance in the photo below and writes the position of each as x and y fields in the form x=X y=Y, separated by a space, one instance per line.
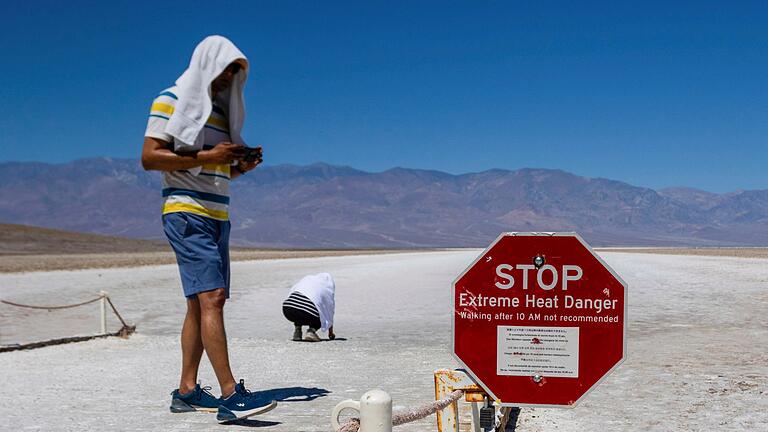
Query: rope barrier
x=52 y=307
x=125 y=331
x=114 y=309
x=399 y=418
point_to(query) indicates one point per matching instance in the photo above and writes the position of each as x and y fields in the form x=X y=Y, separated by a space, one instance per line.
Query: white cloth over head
x=320 y=289
x=210 y=58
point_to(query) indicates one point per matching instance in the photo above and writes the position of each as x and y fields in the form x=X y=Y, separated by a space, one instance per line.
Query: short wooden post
x=103 y=312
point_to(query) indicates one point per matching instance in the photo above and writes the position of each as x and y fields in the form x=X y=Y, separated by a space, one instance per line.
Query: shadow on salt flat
x=286 y=394
x=293 y=394
x=253 y=423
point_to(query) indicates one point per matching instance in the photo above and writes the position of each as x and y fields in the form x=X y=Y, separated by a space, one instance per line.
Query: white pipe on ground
x=374 y=408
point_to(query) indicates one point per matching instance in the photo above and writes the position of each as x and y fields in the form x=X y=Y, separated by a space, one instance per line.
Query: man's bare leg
x=191 y=347
x=214 y=337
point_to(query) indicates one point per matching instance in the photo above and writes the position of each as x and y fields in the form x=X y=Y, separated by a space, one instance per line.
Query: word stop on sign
x=547 y=276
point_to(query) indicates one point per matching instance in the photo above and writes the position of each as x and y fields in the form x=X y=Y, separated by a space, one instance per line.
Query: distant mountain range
x=27 y=240
x=325 y=206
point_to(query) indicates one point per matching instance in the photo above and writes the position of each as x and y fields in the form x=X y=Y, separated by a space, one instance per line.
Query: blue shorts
x=202 y=251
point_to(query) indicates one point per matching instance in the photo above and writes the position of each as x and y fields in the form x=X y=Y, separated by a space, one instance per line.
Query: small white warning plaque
x=545 y=351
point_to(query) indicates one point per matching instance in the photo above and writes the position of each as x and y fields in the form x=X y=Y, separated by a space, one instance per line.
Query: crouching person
x=311 y=303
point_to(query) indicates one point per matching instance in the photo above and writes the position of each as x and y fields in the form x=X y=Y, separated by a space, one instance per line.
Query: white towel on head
x=193 y=107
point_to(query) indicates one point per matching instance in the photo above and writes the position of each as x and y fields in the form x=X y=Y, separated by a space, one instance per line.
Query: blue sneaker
x=199 y=399
x=242 y=404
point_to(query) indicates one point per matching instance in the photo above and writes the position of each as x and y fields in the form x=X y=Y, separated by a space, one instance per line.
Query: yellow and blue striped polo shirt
x=205 y=194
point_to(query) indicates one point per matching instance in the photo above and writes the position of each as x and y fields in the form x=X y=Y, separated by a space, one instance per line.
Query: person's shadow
x=292 y=394
x=286 y=394
x=338 y=339
x=252 y=423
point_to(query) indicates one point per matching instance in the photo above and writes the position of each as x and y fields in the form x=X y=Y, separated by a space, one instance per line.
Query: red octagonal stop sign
x=539 y=319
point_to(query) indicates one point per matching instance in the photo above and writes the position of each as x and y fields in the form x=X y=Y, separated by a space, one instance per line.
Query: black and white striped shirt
x=299 y=301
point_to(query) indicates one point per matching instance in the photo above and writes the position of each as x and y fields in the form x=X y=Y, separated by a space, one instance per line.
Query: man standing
x=193 y=137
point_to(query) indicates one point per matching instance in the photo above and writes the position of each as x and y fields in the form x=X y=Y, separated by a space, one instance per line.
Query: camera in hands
x=253 y=154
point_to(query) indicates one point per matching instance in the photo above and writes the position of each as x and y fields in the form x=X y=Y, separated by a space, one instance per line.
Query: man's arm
x=157 y=155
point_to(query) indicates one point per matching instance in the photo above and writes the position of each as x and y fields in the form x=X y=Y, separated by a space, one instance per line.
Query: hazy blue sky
x=654 y=94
